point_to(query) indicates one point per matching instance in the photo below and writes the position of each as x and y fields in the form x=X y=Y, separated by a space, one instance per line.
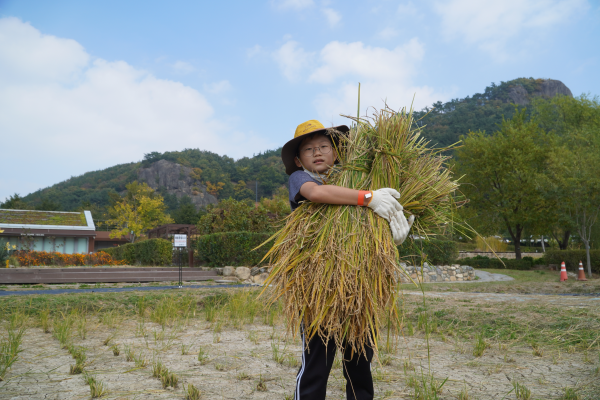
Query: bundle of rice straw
x=336 y=267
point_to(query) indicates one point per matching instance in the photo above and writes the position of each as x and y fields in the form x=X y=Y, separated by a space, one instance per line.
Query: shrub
x=242 y=216
x=34 y=258
x=572 y=258
x=439 y=252
x=493 y=263
x=147 y=252
x=485 y=244
x=232 y=248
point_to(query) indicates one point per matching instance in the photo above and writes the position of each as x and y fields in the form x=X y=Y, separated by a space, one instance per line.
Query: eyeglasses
x=310 y=151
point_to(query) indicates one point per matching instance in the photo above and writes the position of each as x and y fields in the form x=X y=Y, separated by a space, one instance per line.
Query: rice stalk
x=336 y=266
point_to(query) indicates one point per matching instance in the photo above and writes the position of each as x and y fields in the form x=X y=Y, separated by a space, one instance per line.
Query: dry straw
x=336 y=267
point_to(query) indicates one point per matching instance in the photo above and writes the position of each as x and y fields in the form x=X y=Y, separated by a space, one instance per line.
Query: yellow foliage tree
x=215 y=188
x=196 y=174
x=140 y=210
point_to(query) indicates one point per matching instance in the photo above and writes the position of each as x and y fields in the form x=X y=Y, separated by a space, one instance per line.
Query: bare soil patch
x=256 y=360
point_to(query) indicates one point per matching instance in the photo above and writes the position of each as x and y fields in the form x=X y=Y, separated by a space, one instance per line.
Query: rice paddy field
x=496 y=340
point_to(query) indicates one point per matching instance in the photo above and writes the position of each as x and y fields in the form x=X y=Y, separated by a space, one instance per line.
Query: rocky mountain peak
x=546 y=88
x=176 y=179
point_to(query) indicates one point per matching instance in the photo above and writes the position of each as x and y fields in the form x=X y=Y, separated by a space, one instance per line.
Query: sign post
x=180 y=241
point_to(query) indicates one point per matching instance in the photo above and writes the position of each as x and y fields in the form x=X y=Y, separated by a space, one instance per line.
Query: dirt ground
x=241 y=362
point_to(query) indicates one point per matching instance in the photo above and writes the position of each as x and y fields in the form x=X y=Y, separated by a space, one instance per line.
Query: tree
x=241 y=192
x=186 y=212
x=138 y=211
x=234 y=216
x=47 y=205
x=504 y=174
x=15 y=202
x=214 y=189
x=575 y=163
x=565 y=118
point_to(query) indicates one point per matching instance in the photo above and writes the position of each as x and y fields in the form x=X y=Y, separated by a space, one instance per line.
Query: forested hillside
x=225 y=177
x=446 y=122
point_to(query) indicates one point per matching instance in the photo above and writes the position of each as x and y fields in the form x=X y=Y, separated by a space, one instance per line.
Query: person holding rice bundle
x=308 y=158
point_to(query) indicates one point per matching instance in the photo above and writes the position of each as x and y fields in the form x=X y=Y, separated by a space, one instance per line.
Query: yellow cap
x=307 y=127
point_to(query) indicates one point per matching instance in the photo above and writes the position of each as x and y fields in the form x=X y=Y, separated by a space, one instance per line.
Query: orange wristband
x=362 y=196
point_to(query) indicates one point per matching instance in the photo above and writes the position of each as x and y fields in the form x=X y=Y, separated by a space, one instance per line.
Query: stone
x=228 y=271
x=177 y=180
x=228 y=280
x=425 y=265
x=242 y=273
x=459 y=275
x=260 y=278
x=452 y=278
x=219 y=271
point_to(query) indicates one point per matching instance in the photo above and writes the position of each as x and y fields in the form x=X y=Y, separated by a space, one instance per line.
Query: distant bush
x=466 y=246
x=232 y=248
x=47 y=258
x=525 y=263
x=572 y=258
x=147 y=252
x=438 y=252
x=243 y=216
x=492 y=242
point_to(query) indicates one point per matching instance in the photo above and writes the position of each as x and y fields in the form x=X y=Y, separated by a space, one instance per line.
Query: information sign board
x=179 y=240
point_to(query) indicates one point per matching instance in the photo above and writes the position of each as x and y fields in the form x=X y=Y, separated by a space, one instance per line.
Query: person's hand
x=384 y=203
x=400 y=227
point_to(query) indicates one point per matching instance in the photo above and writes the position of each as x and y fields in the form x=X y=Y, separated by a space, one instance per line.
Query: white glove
x=400 y=227
x=384 y=203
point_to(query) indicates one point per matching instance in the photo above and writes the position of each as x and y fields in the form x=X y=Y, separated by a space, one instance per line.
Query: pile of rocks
x=441 y=273
x=243 y=274
x=429 y=273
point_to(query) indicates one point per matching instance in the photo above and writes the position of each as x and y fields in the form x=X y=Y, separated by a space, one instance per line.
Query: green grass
x=547 y=326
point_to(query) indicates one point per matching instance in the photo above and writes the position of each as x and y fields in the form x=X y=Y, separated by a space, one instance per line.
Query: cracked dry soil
x=239 y=359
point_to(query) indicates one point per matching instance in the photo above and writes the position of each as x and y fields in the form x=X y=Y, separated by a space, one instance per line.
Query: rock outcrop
x=176 y=179
x=548 y=88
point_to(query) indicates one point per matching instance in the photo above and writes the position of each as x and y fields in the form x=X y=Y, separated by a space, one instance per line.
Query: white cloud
x=62 y=113
x=292 y=59
x=388 y=33
x=45 y=59
x=183 y=67
x=292 y=4
x=333 y=17
x=385 y=75
x=218 y=87
x=491 y=24
x=341 y=59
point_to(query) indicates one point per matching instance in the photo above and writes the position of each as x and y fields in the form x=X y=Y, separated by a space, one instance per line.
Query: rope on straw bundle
x=336 y=266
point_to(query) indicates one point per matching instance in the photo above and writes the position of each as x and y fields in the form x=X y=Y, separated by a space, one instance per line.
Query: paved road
x=111 y=290
x=565 y=299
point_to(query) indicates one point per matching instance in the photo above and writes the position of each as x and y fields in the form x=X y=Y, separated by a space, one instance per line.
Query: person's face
x=316 y=154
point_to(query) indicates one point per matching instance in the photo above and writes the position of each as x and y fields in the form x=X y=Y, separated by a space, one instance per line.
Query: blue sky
x=85 y=85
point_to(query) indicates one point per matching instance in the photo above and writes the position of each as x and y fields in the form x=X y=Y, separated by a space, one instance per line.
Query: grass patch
x=97 y=387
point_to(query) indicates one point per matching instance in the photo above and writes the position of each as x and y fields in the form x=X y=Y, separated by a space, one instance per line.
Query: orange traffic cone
x=563 y=272
x=581 y=276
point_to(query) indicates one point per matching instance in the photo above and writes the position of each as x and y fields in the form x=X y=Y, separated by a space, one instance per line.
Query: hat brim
x=288 y=152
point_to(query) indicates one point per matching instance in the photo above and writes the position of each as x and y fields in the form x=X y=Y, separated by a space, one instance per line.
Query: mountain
x=200 y=175
x=445 y=122
x=204 y=177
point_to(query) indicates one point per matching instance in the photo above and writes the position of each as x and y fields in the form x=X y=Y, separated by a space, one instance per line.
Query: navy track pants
x=311 y=381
